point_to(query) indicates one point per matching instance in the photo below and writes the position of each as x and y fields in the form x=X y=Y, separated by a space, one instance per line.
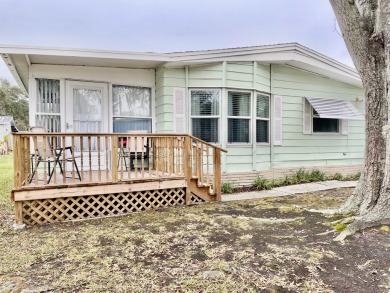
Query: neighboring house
x=5 y=132
x=274 y=108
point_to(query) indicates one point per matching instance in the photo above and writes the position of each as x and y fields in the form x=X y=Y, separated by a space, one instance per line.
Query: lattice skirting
x=44 y=211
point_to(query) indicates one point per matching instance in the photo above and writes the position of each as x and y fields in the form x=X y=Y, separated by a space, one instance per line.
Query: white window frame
x=33 y=103
x=111 y=106
x=339 y=124
x=240 y=117
x=210 y=116
x=263 y=119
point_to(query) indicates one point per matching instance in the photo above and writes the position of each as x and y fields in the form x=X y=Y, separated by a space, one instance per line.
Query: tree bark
x=365 y=28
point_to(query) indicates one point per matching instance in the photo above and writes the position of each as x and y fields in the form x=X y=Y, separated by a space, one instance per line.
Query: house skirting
x=244 y=179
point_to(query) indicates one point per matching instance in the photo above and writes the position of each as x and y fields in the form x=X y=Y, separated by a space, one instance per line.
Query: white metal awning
x=337 y=109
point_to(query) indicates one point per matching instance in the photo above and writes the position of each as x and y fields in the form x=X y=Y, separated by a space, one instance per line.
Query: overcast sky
x=170 y=25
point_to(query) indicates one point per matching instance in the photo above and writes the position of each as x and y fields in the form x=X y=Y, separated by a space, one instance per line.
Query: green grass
x=6 y=183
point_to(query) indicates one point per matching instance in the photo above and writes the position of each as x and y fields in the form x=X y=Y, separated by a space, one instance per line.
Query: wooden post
x=187 y=166
x=217 y=173
x=19 y=212
x=17 y=162
x=114 y=161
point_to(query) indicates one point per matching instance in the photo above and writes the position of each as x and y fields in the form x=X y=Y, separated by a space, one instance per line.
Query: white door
x=87 y=112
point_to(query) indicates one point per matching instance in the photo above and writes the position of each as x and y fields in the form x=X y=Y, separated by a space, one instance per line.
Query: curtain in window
x=132 y=108
x=205 y=112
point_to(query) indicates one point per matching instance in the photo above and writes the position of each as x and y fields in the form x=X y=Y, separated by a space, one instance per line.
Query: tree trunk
x=365 y=28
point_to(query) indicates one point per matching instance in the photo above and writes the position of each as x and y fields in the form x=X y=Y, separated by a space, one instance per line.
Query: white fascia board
x=83 y=53
x=331 y=70
x=11 y=66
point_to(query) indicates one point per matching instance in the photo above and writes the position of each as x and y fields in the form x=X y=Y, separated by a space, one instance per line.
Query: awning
x=338 y=109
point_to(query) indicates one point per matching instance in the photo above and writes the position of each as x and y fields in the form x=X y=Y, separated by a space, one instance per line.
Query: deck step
x=202 y=191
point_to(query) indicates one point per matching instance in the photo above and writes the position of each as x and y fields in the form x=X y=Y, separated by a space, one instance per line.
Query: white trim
x=292 y=54
x=204 y=116
x=69 y=85
x=250 y=117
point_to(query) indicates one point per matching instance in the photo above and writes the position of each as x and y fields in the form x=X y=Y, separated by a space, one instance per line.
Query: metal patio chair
x=44 y=153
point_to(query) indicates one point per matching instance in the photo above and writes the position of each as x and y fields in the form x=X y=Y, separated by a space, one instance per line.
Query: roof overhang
x=19 y=58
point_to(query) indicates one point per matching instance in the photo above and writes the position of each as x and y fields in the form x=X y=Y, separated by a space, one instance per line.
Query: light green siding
x=166 y=81
x=205 y=76
x=297 y=149
x=316 y=149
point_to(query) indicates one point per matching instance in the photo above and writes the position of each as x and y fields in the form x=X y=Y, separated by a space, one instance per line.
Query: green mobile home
x=273 y=108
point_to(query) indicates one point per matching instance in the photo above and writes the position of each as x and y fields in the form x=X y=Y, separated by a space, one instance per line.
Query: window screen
x=48 y=111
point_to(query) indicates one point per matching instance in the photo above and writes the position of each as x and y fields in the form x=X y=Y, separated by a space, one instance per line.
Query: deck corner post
x=18 y=213
x=187 y=166
x=217 y=174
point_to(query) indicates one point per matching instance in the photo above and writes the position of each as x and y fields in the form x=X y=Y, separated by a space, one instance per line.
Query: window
x=328 y=115
x=239 y=117
x=262 y=119
x=132 y=108
x=205 y=114
x=48 y=113
x=325 y=125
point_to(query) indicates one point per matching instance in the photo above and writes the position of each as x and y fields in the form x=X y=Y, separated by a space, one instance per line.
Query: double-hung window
x=239 y=117
x=205 y=114
x=262 y=118
x=132 y=108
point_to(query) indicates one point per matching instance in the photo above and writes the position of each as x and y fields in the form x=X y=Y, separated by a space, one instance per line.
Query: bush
x=262 y=184
x=352 y=177
x=316 y=175
x=336 y=176
x=227 y=187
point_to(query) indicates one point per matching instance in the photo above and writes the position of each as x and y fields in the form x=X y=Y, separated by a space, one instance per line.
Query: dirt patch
x=218 y=247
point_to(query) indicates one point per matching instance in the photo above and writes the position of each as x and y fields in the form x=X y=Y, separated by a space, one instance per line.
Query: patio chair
x=46 y=154
x=130 y=150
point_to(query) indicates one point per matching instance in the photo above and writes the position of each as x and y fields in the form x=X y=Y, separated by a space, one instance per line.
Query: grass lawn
x=6 y=184
x=263 y=245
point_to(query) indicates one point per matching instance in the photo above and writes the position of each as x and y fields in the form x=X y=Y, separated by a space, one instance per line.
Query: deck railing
x=65 y=159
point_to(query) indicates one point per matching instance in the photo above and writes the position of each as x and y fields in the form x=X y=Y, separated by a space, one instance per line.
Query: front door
x=87 y=112
x=86 y=107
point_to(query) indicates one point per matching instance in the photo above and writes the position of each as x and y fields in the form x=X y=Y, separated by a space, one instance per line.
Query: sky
x=170 y=25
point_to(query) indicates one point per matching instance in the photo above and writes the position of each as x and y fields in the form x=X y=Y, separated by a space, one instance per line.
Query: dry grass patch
x=217 y=247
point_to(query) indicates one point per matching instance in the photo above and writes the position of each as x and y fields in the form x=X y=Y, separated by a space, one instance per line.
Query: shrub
x=352 y=177
x=227 y=187
x=262 y=184
x=336 y=176
x=300 y=176
x=316 y=175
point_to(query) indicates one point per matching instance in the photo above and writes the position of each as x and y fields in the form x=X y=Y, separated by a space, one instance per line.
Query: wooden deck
x=62 y=177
